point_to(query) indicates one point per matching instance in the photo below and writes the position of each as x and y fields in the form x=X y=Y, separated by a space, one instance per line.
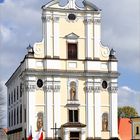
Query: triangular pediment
x=72 y=36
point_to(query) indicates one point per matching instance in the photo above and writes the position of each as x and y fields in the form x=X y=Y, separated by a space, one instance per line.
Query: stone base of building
x=98 y=138
x=91 y=138
x=115 y=138
x=48 y=138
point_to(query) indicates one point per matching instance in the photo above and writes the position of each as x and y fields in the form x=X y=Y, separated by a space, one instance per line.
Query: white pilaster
x=56 y=37
x=66 y=134
x=30 y=111
x=88 y=22
x=113 y=108
x=83 y=132
x=89 y=108
x=57 y=100
x=97 y=107
x=49 y=108
x=47 y=35
x=97 y=36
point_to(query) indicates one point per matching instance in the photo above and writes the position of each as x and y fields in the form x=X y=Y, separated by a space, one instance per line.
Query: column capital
x=113 y=89
x=97 y=21
x=52 y=86
x=30 y=86
x=46 y=18
x=89 y=89
x=56 y=19
x=97 y=89
x=96 y=86
x=88 y=21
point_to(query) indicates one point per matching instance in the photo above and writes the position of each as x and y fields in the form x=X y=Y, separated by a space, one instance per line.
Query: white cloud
x=5 y=34
x=121 y=30
x=129 y=97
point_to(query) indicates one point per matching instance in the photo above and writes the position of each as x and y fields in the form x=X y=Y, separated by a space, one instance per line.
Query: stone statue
x=72 y=93
x=39 y=121
x=105 y=124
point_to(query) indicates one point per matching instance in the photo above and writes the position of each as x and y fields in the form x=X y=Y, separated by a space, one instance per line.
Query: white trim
x=89 y=108
x=56 y=36
x=113 y=115
x=49 y=112
x=97 y=108
x=97 y=36
x=57 y=108
x=47 y=35
x=88 y=36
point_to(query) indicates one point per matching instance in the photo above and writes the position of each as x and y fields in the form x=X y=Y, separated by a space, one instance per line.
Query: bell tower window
x=72 y=51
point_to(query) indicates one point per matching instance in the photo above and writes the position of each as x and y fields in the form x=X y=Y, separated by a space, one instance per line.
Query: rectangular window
x=17 y=92
x=73 y=115
x=24 y=115
x=14 y=116
x=12 y=98
x=9 y=100
x=20 y=90
x=72 y=51
x=14 y=95
x=137 y=130
x=9 y=119
x=20 y=113
x=17 y=116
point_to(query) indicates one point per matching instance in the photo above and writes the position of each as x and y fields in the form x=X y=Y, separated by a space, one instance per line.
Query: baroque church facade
x=67 y=83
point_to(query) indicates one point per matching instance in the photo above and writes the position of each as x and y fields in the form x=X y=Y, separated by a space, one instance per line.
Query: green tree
x=127 y=112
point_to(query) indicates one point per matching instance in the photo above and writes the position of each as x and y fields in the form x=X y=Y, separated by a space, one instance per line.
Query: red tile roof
x=124 y=129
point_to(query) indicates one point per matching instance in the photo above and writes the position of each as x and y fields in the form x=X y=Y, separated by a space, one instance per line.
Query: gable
x=72 y=36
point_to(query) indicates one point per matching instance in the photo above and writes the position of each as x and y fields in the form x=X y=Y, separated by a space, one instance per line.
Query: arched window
x=105 y=122
x=72 y=91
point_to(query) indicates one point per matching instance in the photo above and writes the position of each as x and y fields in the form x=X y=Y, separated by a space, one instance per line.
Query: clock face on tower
x=71 y=16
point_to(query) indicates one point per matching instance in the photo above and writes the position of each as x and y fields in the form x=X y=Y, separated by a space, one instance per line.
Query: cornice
x=69 y=73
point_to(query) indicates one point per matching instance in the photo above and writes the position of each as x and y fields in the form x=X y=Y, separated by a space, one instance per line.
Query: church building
x=67 y=83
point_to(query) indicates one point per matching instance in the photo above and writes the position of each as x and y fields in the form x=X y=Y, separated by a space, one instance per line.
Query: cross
x=55 y=132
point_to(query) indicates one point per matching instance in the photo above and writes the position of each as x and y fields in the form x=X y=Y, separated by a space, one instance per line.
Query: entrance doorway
x=74 y=136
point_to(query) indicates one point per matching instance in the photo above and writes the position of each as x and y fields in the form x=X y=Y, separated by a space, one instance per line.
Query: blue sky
x=1 y=1
x=21 y=25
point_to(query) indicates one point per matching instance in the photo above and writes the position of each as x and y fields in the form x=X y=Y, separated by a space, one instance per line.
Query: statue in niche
x=39 y=120
x=72 y=93
x=105 y=122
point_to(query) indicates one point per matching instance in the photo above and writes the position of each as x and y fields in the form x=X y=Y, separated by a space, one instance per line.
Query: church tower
x=68 y=82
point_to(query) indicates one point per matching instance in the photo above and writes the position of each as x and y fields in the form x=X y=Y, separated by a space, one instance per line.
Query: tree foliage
x=127 y=112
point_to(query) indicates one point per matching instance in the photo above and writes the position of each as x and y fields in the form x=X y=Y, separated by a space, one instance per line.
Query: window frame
x=137 y=130
x=74 y=115
x=68 y=50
